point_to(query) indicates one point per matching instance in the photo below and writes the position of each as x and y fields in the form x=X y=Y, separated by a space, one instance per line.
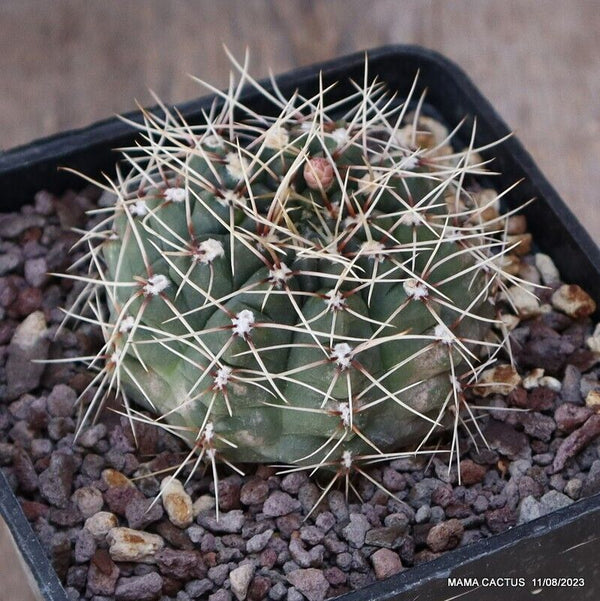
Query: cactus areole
x=313 y=288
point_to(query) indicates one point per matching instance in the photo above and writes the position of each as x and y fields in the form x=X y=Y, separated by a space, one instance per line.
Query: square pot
x=561 y=544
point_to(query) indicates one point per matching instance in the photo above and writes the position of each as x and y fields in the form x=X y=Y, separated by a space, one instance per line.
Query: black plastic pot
x=550 y=555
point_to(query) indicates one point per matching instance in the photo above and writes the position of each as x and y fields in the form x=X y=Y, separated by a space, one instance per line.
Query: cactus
x=312 y=288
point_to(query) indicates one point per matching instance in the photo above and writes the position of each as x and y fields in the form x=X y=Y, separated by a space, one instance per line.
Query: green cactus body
x=297 y=290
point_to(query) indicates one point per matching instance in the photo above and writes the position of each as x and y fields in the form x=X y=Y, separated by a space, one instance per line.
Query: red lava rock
x=258 y=589
x=537 y=425
x=175 y=536
x=549 y=353
x=310 y=582
x=171 y=586
x=287 y=524
x=445 y=535
x=182 y=565
x=28 y=301
x=7 y=329
x=265 y=471
x=569 y=416
x=518 y=398
x=68 y=517
x=335 y=576
x=541 y=399
x=499 y=520
x=505 y=439
x=229 y=493
x=458 y=510
x=442 y=496
x=576 y=441
x=139 y=588
x=268 y=558
x=118 y=497
x=254 y=491
x=34 y=510
x=583 y=359
x=55 y=482
x=424 y=556
x=24 y=470
x=471 y=472
x=386 y=563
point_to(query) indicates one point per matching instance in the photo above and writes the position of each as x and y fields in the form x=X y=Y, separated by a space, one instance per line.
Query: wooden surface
x=16 y=582
x=66 y=63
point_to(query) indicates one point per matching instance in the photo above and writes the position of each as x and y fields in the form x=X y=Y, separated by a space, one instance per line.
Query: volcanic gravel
x=91 y=501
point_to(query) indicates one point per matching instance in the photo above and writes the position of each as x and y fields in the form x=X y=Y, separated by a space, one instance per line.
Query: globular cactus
x=313 y=288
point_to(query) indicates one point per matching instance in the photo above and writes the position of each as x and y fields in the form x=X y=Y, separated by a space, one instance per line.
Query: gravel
x=83 y=494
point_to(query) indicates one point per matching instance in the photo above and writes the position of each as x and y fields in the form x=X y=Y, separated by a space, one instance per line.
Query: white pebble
x=502 y=379
x=177 y=503
x=133 y=545
x=100 y=524
x=547 y=269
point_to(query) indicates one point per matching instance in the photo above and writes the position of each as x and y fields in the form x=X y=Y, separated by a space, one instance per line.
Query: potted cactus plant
x=311 y=276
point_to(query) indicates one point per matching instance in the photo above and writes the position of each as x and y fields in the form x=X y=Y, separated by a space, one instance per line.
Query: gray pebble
x=90 y=436
x=344 y=561
x=230 y=521
x=423 y=514
x=420 y=493
x=40 y=447
x=36 y=272
x=529 y=509
x=294 y=594
x=573 y=488
x=240 y=579
x=570 y=391
x=299 y=554
x=196 y=588
x=311 y=535
x=480 y=504
x=14 y=224
x=85 y=546
x=195 y=533
x=356 y=530
x=44 y=203
x=55 y=482
x=27 y=350
x=554 y=500
x=139 y=588
x=338 y=505
x=280 y=503
x=61 y=401
x=140 y=512
x=259 y=541
x=9 y=262
x=218 y=574
x=310 y=582
x=221 y=595
x=325 y=521
x=278 y=591
x=292 y=483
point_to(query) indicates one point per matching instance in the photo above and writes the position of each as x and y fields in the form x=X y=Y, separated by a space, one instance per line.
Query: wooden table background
x=66 y=63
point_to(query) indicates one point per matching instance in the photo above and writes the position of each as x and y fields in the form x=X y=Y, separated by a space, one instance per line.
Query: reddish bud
x=318 y=173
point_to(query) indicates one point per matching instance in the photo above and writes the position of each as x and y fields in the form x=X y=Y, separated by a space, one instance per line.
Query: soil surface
x=92 y=501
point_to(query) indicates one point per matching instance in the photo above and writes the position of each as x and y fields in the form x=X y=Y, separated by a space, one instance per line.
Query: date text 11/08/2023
x=515 y=582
